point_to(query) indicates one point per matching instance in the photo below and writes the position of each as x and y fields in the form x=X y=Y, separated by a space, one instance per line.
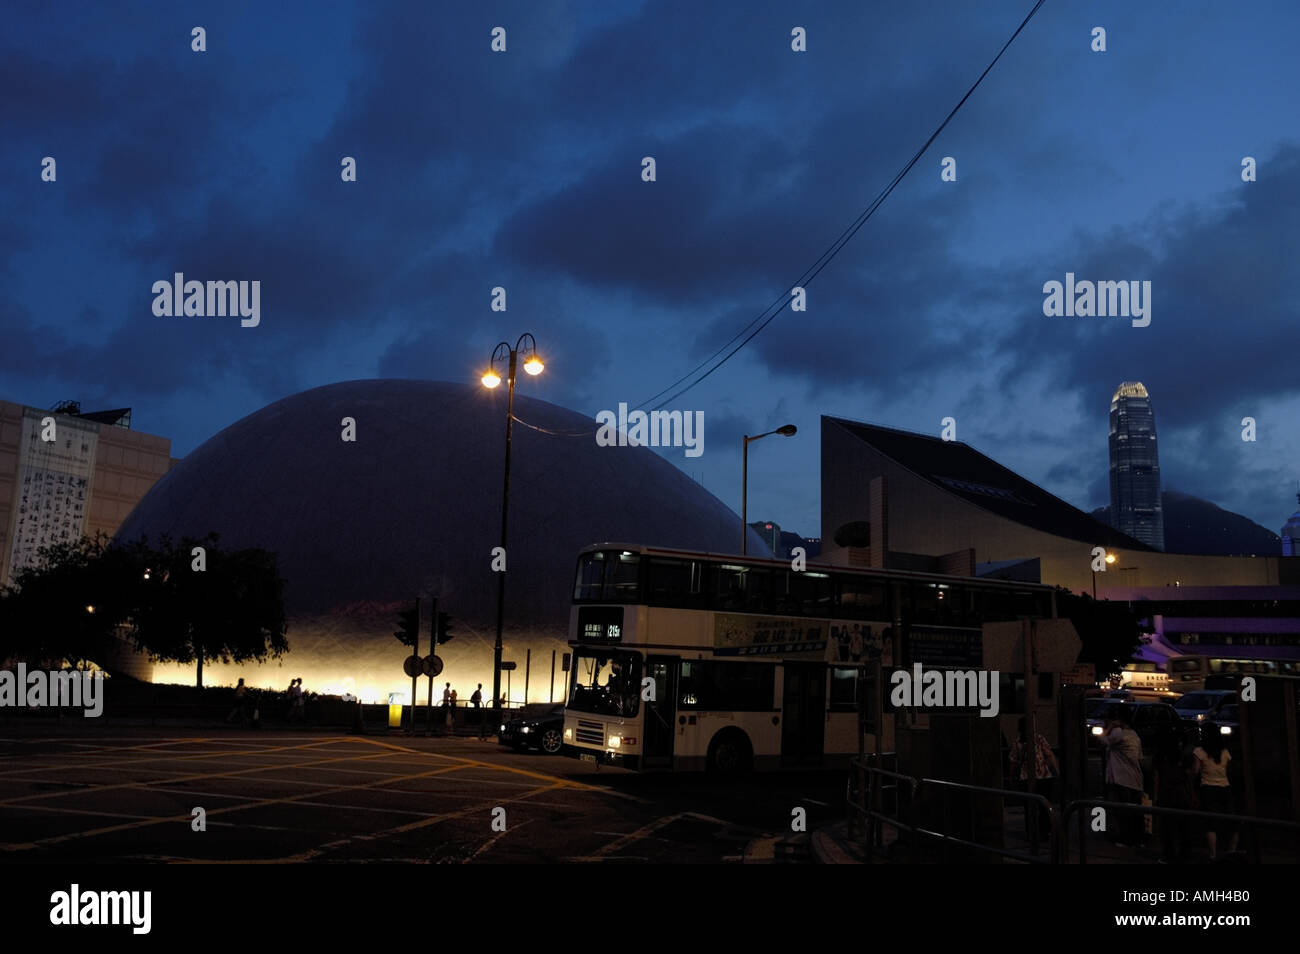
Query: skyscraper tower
x=1135 y=506
x=1291 y=533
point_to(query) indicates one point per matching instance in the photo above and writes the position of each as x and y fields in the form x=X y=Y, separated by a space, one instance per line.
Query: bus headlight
x=1225 y=729
x=614 y=741
x=568 y=733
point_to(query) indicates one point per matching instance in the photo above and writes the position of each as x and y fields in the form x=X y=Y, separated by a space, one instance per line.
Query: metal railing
x=911 y=806
x=886 y=799
x=1249 y=826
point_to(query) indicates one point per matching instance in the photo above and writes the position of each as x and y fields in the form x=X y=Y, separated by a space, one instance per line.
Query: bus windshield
x=606 y=683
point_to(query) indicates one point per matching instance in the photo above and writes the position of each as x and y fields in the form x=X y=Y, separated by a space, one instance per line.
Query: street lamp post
x=1110 y=558
x=788 y=430
x=533 y=365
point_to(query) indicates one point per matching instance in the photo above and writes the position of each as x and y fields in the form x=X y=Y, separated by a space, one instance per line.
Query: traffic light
x=409 y=621
x=444 y=627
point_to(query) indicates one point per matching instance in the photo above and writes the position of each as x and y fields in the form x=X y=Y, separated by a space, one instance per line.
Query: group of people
x=1190 y=778
x=1195 y=779
x=450 y=701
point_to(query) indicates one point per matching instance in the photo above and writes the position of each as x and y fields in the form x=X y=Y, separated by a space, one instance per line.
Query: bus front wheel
x=730 y=753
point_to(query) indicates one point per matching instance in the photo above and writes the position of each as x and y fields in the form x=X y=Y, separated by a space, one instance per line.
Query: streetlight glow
x=534 y=365
x=490 y=378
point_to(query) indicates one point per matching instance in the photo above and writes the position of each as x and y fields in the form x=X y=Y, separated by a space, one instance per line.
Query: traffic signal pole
x=415 y=676
x=433 y=643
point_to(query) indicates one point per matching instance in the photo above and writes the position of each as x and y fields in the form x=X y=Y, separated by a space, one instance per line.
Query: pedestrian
x=297 y=708
x=240 y=693
x=288 y=700
x=1038 y=779
x=476 y=700
x=1123 y=775
x=1174 y=770
x=1215 y=794
x=451 y=711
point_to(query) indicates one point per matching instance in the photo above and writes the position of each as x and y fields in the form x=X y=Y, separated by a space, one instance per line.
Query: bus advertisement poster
x=735 y=635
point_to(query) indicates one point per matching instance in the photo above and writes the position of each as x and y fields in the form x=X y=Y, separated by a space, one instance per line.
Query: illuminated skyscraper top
x=1135 y=505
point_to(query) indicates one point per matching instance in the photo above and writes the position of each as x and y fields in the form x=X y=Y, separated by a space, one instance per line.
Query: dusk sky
x=523 y=169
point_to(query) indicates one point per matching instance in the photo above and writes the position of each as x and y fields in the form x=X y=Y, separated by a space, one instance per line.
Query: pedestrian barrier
x=879 y=799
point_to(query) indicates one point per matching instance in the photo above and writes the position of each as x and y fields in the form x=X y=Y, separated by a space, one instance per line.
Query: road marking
x=492 y=841
x=158 y=820
x=183 y=778
x=425 y=822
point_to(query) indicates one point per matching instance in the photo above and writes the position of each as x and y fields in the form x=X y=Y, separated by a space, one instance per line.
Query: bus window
x=742 y=588
x=809 y=594
x=936 y=603
x=861 y=598
x=591 y=576
x=673 y=582
x=622 y=578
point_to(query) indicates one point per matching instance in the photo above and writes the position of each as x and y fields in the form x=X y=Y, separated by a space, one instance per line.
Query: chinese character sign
x=54 y=484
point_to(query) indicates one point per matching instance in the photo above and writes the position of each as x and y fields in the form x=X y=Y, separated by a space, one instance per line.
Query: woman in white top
x=1215 y=794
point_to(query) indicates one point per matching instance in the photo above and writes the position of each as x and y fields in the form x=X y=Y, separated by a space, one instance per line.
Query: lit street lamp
x=533 y=365
x=788 y=430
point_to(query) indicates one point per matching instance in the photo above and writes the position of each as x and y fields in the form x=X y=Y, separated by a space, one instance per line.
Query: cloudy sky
x=523 y=169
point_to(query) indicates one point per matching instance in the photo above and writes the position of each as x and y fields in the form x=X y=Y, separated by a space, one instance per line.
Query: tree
x=67 y=606
x=1110 y=632
x=230 y=609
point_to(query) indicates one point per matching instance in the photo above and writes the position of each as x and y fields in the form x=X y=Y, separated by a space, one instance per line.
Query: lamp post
x=1110 y=558
x=533 y=365
x=789 y=430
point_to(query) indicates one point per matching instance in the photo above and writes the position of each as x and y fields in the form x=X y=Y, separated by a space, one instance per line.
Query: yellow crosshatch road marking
x=389 y=751
x=308 y=855
x=168 y=757
x=183 y=778
x=257 y=803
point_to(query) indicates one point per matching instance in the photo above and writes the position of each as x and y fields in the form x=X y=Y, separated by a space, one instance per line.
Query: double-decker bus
x=685 y=660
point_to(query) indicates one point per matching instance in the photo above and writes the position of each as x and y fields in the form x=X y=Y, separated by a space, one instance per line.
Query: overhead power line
x=778 y=305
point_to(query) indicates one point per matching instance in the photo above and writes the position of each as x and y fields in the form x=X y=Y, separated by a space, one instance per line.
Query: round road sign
x=411 y=666
x=432 y=665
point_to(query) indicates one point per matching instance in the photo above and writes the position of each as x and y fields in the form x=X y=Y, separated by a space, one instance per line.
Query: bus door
x=803 y=713
x=660 y=714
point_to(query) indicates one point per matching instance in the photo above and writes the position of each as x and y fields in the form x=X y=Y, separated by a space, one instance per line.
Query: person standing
x=451 y=711
x=1124 y=775
x=240 y=693
x=1212 y=759
x=1039 y=779
x=476 y=700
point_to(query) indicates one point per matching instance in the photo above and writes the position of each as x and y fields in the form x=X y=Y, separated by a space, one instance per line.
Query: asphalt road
x=129 y=796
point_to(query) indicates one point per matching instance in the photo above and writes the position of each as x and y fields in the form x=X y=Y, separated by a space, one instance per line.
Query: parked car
x=1197 y=707
x=538 y=725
